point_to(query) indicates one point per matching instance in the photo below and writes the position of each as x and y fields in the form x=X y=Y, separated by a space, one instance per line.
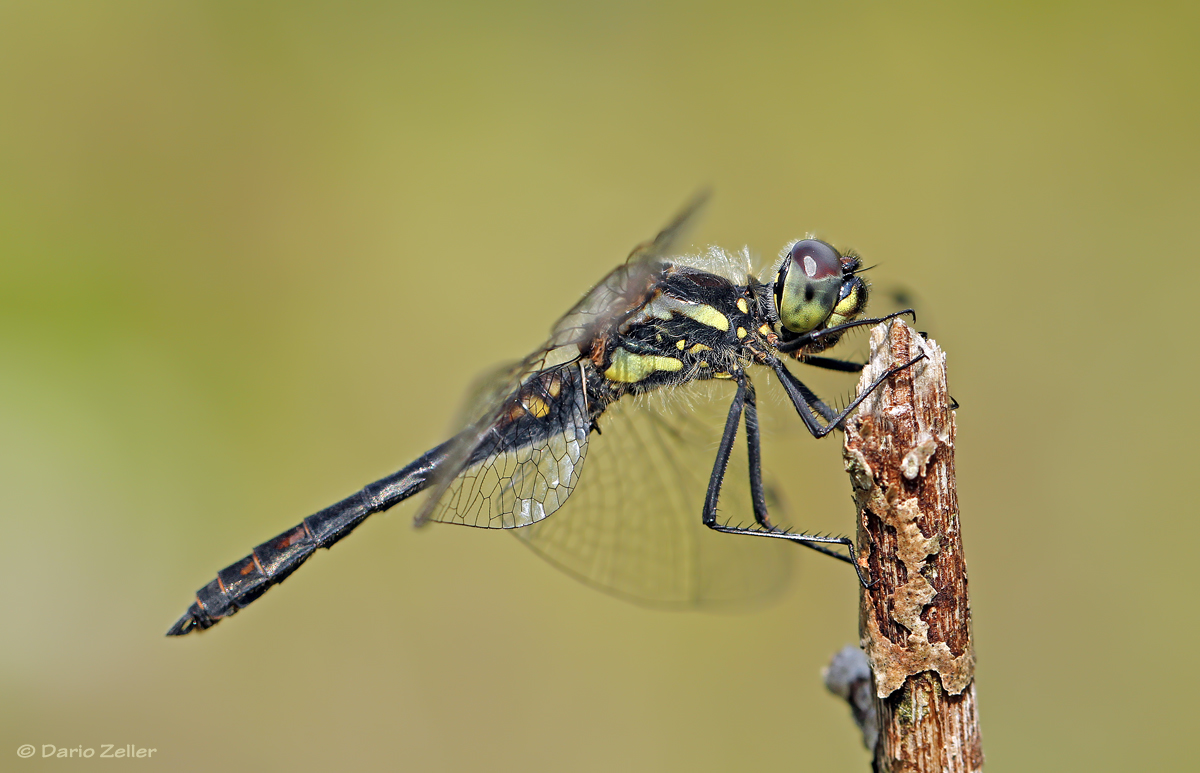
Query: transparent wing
x=633 y=526
x=624 y=288
x=620 y=293
x=486 y=391
x=527 y=464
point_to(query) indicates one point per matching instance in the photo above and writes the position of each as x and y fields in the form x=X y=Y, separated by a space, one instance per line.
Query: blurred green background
x=252 y=254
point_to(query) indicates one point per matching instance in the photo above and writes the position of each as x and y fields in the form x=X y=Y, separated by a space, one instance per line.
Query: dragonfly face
x=817 y=288
x=655 y=324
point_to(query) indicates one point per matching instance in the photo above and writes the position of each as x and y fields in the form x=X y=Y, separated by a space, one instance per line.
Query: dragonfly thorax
x=692 y=325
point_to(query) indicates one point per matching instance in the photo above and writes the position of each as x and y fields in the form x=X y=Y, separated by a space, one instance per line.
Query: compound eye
x=808 y=286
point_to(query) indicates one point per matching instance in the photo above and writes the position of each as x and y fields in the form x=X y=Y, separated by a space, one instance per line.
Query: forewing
x=619 y=293
x=633 y=528
x=625 y=287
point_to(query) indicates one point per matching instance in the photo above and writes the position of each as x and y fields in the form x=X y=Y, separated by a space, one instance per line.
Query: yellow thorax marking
x=630 y=368
x=663 y=306
x=706 y=315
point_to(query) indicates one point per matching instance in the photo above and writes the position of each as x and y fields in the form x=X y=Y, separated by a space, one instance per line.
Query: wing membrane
x=621 y=290
x=633 y=528
x=527 y=464
x=612 y=297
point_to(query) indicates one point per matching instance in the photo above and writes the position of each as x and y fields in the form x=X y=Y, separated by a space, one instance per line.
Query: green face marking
x=847 y=308
x=629 y=368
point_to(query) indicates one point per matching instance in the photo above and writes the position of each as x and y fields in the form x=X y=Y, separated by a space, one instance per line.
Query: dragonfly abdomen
x=240 y=583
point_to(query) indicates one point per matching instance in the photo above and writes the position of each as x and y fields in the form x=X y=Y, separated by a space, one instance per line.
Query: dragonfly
x=659 y=325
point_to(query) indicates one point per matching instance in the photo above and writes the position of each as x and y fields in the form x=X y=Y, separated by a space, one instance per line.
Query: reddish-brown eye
x=808 y=285
x=816 y=259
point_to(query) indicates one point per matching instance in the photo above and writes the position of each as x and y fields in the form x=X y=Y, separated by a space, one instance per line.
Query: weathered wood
x=915 y=620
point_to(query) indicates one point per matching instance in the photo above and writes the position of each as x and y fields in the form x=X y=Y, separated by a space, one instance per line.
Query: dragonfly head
x=817 y=287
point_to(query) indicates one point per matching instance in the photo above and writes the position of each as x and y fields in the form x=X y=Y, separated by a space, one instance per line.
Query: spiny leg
x=724 y=448
x=846 y=366
x=757 y=493
x=758 y=496
x=744 y=402
x=827 y=363
x=801 y=397
x=813 y=401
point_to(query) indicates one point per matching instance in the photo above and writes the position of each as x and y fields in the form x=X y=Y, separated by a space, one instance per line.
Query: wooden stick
x=915 y=620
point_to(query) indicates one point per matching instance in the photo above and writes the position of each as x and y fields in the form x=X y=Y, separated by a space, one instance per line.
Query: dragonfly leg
x=811 y=399
x=744 y=403
x=754 y=453
x=831 y=363
x=724 y=449
x=803 y=398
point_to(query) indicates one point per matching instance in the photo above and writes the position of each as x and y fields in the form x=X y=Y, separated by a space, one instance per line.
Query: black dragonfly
x=657 y=325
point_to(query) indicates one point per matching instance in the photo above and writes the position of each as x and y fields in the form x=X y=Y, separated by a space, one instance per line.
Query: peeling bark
x=915 y=620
